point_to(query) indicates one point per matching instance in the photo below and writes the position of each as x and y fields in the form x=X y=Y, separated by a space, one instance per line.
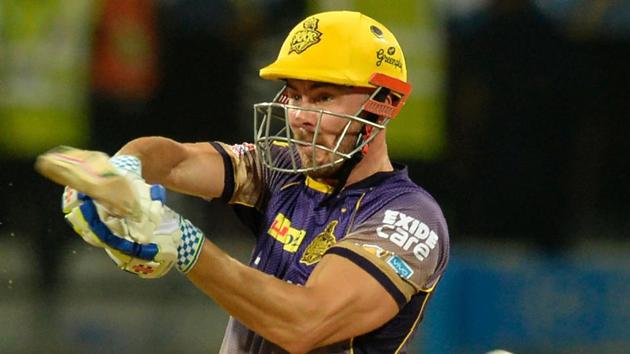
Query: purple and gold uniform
x=385 y=224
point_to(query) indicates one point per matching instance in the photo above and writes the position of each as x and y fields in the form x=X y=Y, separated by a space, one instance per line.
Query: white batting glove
x=148 y=200
x=172 y=241
x=98 y=228
x=148 y=245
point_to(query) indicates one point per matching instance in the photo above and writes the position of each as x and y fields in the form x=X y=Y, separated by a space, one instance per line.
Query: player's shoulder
x=395 y=190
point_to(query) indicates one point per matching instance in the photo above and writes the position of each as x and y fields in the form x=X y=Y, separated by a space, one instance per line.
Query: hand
x=95 y=174
x=122 y=238
x=146 y=244
x=172 y=239
x=119 y=237
x=187 y=237
x=147 y=199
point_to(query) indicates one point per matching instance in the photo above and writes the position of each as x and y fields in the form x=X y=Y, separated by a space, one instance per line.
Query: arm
x=190 y=168
x=339 y=301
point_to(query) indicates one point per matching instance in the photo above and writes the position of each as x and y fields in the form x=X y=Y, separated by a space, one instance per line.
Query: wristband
x=190 y=246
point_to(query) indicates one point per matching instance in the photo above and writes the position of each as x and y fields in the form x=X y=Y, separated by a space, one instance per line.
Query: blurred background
x=517 y=125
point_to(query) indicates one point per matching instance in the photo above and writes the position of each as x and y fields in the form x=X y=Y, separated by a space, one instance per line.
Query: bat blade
x=90 y=173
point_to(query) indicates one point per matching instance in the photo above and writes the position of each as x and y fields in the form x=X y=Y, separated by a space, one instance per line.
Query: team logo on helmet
x=306 y=37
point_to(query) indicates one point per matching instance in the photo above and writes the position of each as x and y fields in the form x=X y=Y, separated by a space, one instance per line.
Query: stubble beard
x=328 y=172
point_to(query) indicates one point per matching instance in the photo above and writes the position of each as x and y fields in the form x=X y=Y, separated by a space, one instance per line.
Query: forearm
x=190 y=168
x=269 y=306
x=159 y=156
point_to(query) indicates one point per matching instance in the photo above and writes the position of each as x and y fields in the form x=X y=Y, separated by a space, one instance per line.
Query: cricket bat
x=90 y=173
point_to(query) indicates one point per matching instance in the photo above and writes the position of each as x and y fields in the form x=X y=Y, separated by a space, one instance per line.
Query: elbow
x=307 y=329
x=296 y=345
x=302 y=338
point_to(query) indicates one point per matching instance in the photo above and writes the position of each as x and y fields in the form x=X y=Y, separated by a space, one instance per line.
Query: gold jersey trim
x=406 y=287
x=318 y=186
x=415 y=323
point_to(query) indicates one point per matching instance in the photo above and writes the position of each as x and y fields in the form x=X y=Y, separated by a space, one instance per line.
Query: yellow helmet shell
x=338 y=47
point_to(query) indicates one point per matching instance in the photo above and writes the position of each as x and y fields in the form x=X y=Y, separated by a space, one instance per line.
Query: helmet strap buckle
x=366 y=136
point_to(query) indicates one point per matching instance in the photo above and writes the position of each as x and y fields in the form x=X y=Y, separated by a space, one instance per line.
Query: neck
x=376 y=160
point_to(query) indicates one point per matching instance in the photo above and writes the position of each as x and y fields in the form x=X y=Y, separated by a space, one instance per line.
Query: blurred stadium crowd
x=532 y=102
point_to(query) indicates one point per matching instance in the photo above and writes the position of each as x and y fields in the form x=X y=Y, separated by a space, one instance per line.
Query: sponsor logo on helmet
x=387 y=57
x=306 y=37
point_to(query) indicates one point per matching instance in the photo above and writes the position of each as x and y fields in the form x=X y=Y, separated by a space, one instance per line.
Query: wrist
x=188 y=250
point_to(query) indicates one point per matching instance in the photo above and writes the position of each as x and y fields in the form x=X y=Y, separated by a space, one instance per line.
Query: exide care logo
x=407 y=233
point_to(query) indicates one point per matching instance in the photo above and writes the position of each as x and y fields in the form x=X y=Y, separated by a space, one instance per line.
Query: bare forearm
x=159 y=156
x=271 y=307
x=190 y=168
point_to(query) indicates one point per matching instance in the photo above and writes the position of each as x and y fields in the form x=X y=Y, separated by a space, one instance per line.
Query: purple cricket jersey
x=385 y=224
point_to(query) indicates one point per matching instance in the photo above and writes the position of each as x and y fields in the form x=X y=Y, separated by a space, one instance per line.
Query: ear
x=389 y=99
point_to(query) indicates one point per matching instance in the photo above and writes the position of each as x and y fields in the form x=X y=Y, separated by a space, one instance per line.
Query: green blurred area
x=44 y=54
x=419 y=132
x=26 y=132
x=44 y=63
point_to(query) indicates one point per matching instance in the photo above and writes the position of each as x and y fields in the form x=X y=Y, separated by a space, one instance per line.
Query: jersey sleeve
x=244 y=177
x=404 y=245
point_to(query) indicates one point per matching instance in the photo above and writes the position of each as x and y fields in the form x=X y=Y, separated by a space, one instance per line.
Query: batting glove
x=147 y=245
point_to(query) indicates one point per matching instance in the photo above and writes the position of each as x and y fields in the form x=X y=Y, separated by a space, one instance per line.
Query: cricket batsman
x=348 y=249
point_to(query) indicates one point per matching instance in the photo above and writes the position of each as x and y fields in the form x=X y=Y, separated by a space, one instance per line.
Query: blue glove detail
x=158 y=193
x=130 y=248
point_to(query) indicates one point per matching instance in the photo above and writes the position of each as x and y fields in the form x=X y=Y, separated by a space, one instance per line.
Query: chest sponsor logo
x=281 y=230
x=320 y=244
x=408 y=233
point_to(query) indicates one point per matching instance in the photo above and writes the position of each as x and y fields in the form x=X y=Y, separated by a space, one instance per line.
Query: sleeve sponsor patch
x=241 y=149
x=407 y=233
x=392 y=260
x=401 y=267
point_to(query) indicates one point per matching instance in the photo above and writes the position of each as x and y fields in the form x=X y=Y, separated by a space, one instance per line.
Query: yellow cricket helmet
x=339 y=47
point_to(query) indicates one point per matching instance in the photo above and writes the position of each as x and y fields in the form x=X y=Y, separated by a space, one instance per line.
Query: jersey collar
x=318 y=186
x=378 y=177
x=367 y=182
